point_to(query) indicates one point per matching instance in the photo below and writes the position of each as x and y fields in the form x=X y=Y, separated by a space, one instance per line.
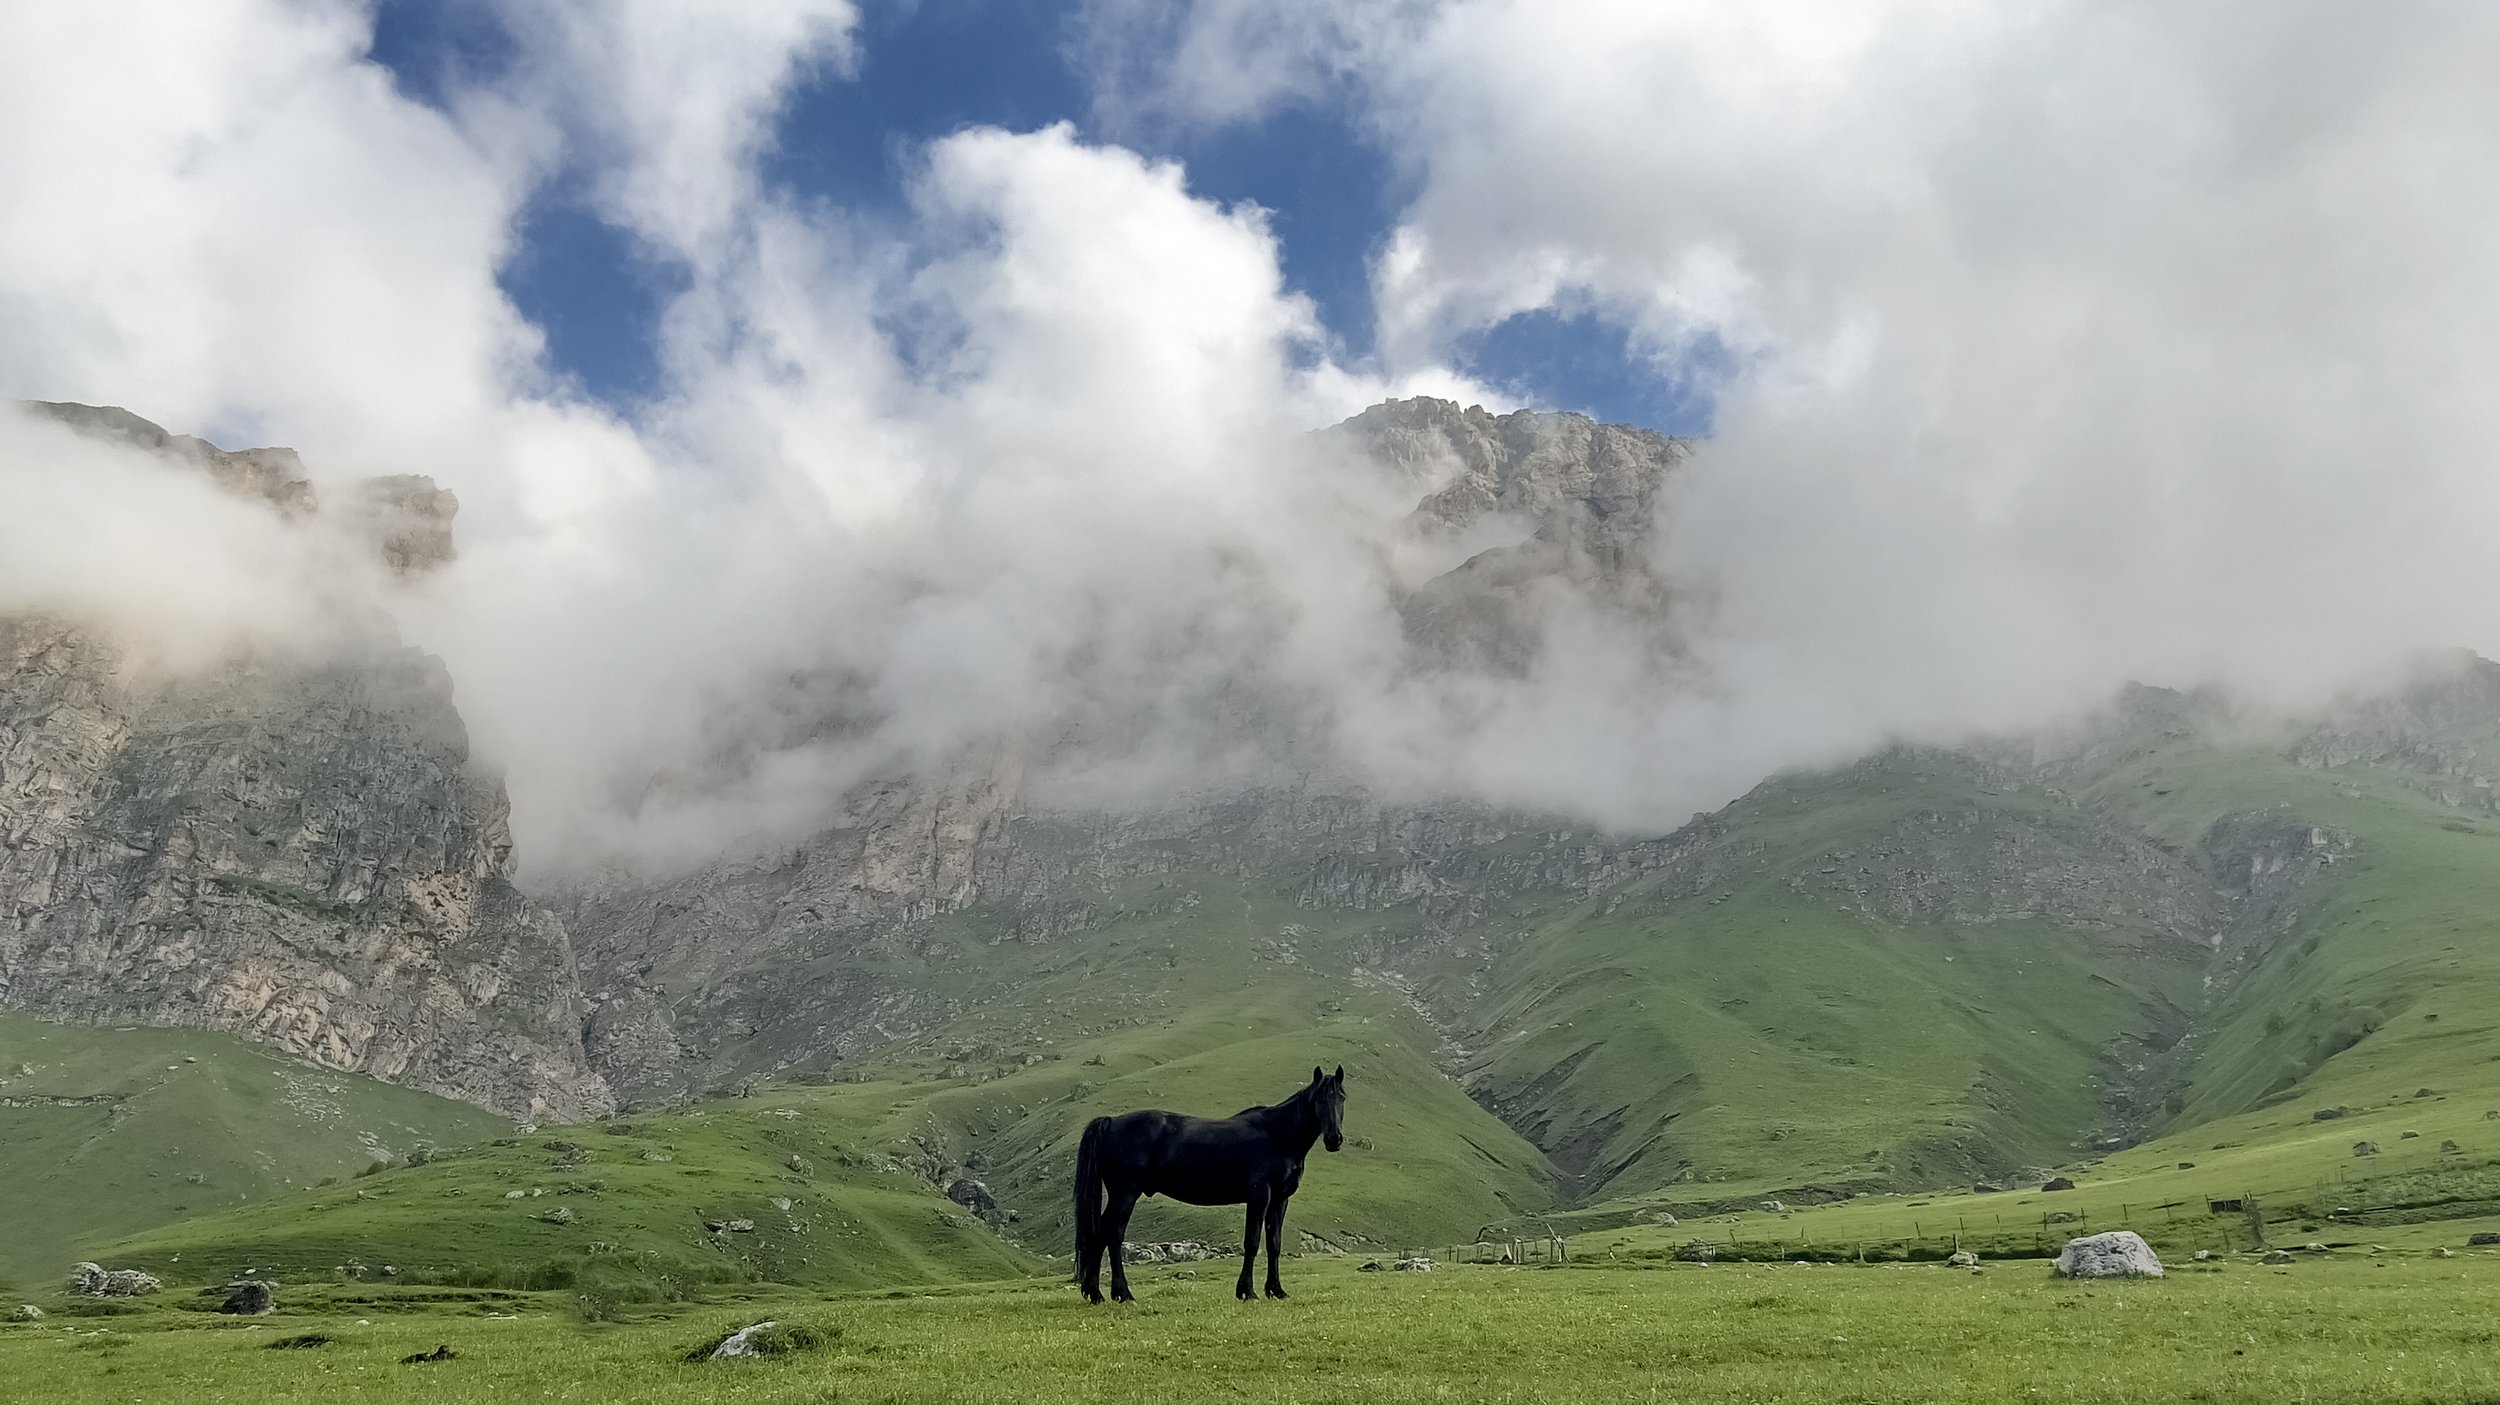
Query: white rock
x=737 y=1343
x=1962 y=1258
x=2121 y=1253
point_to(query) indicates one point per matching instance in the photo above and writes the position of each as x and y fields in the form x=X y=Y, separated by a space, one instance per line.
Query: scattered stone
x=2365 y=1148
x=301 y=1341
x=94 y=1281
x=1774 y=1207
x=252 y=1298
x=1417 y=1264
x=1184 y=1251
x=2187 y=1165
x=2204 y=1256
x=2443 y=1252
x=714 y=1226
x=742 y=1226
x=1369 y=1266
x=2275 y=1256
x=561 y=1214
x=2407 y=1136
x=26 y=1312
x=2314 y=1247
x=972 y=1195
x=2477 y=1241
x=516 y=1195
x=2121 y=1253
x=2449 y=1148
x=440 y=1353
x=766 y=1338
x=1696 y=1251
x=2057 y=1183
x=1983 y=1188
x=1962 y=1258
x=801 y=1164
x=2421 y=1092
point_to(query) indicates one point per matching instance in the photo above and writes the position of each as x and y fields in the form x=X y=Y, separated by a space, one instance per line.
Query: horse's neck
x=1294 y=1123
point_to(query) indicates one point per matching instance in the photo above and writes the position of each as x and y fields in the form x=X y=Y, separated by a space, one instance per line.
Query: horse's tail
x=1089 y=1189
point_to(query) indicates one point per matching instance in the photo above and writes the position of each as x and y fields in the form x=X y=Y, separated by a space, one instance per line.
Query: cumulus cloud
x=2053 y=344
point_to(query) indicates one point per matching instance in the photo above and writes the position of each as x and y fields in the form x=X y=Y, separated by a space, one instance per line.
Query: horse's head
x=1328 y=1096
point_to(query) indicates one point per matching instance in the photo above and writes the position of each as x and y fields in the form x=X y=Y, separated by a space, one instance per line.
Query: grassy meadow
x=2383 y=1328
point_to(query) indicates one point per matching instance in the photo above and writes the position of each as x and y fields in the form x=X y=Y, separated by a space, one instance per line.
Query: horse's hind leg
x=1115 y=1229
x=1275 y=1240
x=1254 y=1213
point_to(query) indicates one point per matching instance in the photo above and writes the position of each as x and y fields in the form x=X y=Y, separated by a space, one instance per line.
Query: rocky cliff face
x=1544 y=511
x=297 y=849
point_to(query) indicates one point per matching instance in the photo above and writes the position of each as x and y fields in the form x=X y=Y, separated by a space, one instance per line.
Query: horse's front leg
x=1115 y=1224
x=1275 y=1242
x=1253 y=1216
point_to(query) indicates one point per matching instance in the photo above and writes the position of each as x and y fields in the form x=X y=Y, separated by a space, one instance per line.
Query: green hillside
x=109 y=1131
x=2148 y=959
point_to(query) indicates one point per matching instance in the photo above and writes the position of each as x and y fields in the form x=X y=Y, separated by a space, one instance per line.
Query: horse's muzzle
x=1336 y=1141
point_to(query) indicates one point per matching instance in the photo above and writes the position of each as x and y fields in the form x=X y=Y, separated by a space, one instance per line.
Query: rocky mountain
x=294 y=848
x=1927 y=966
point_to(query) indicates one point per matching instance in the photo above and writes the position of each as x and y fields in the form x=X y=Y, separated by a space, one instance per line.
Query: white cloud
x=2066 y=341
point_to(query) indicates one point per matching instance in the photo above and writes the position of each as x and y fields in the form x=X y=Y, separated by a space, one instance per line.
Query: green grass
x=2397 y=1329
x=106 y=1132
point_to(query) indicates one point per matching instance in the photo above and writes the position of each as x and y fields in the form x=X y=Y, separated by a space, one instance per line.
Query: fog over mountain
x=2102 y=342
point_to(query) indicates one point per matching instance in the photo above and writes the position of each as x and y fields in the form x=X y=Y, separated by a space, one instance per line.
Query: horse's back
x=1203 y=1160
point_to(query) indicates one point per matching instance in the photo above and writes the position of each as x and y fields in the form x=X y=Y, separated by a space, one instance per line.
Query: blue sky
x=938 y=66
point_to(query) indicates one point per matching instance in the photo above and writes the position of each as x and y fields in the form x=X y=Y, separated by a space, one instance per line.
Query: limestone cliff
x=294 y=848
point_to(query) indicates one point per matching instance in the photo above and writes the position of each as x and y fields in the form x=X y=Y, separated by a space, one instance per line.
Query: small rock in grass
x=95 y=1281
x=440 y=1353
x=2478 y=1241
x=2365 y=1148
x=1369 y=1266
x=253 y=1298
x=767 y=1338
x=1418 y=1264
x=2407 y=1136
x=2121 y=1253
x=2276 y=1256
x=1962 y=1258
x=26 y=1312
x=2057 y=1183
x=742 y=1226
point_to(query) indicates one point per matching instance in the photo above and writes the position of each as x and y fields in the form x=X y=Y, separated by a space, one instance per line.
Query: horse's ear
x=1340 y=1074
x=1316 y=1075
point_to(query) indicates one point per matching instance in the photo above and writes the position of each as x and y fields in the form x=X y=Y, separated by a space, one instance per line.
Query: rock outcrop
x=295 y=847
x=2121 y=1253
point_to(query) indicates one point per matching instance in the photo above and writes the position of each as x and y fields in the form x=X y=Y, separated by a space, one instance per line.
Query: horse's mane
x=1300 y=1095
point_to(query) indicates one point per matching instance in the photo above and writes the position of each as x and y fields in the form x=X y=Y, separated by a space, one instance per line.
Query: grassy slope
x=1758 y=1038
x=107 y=1131
x=1678 y=1050
x=638 y=1193
x=2408 y=1330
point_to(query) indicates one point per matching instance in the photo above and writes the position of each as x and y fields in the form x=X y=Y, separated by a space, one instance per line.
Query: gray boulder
x=249 y=1298
x=95 y=1281
x=2121 y=1253
x=1962 y=1258
x=26 y=1312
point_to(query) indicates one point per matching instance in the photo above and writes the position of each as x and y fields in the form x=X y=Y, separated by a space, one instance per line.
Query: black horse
x=1253 y=1158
